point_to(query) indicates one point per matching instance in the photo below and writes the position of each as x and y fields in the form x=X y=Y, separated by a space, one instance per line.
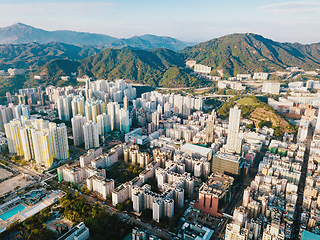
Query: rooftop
x=228 y=156
x=217 y=184
x=195 y=148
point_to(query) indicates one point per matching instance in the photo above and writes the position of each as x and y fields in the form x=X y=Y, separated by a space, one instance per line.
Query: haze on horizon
x=284 y=21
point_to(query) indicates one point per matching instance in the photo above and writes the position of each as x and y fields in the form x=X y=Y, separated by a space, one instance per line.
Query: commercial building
x=192 y=231
x=227 y=163
x=214 y=194
x=197 y=151
x=234 y=142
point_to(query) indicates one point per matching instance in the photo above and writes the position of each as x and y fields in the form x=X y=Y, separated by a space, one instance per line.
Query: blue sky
x=292 y=21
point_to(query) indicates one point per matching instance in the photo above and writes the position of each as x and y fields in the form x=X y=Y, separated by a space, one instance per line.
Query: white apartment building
x=260 y=76
x=100 y=185
x=91 y=135
x=78 y=121
x=271 y=87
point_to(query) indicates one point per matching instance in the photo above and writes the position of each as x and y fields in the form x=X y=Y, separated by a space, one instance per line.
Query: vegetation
x=35 y=54
x=260 y=112
x=122 y=172
x=153 y=183
x=128 y=206
x=146 y=215
x=101 y=225
x=265 y=123
x=11 y=84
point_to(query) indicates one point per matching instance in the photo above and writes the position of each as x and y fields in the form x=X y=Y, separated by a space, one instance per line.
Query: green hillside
x=260 y=112
x=35 y=54
x=248 y=53
x=156 y=68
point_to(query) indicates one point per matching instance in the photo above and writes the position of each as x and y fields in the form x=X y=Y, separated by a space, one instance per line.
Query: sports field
x=247 y=101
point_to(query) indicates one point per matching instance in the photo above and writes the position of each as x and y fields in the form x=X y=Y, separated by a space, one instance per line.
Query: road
x=219 y=232
x=301 y=186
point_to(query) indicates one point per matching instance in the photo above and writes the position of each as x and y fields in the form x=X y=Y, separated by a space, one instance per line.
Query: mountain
x=36 y=54
x=160 y=67
x=150 y=42
x=248 y=53
x=148 y=67
x=20 y=33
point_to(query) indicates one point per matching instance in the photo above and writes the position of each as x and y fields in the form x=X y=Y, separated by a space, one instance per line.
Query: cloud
x=52 y=8
x=291 y=7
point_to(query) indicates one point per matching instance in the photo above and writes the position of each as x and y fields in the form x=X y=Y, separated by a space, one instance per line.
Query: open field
x=4 y=173
x=10 y=184
x=247 y=101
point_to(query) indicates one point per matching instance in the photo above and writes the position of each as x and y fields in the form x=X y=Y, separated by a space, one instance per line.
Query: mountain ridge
x=21 y=33
x=247 y=53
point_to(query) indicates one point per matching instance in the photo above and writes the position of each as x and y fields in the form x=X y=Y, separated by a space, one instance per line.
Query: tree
x=164 y=221
x=250 y=126
x=146 y=214
x=135 y=170
x=129 y=205
x=265 y=123
x=109 y=196
x=120 y=207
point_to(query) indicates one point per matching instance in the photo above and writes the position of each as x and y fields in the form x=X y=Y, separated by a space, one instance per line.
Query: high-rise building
x=77 y=129
x=126 y=103
x=41 y=146
x=91 y=135
x=155 y=121
x=22 y=110
x=60 y=140
x=234 y=142
x=167 y=110
x=124 y=120
x=210 y=128
x=93 y=109
x=186 y=106
x=26 y=139
x=87 y=88
x=77 y=105
x=113 y=113
x=234 y=231
x=103 y=124
x=157 y=209
x=12 y=130
x=64 y=107
x=8 y=97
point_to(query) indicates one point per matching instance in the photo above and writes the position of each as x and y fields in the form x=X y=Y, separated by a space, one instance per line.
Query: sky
x=194 y=21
